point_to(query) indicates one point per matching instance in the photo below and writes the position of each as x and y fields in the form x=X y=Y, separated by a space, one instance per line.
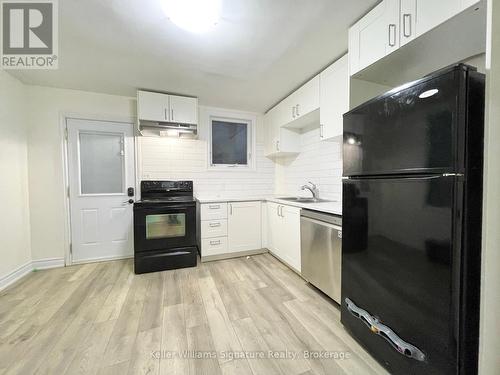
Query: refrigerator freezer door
x=413 y=130
x=399 y=257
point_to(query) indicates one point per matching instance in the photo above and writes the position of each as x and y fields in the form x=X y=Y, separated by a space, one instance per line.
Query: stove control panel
x=166 y=186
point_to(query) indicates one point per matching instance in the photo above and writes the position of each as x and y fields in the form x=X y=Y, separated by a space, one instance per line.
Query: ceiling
x=260 y=51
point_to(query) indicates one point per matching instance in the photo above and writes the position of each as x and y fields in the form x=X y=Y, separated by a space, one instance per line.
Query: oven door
x=164 y=227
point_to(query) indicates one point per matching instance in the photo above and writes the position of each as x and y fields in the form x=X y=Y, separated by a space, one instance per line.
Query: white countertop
x=333 y=207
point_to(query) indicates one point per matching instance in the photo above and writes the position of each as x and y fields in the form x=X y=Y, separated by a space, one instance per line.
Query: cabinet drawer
x=213 y=228
x=213 y=211
x=213 y=246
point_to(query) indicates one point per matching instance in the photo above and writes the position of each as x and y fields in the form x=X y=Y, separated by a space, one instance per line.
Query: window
x=230 y=142
x=101 y=163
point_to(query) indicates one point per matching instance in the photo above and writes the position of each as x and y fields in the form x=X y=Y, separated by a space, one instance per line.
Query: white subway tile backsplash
x=319 y=162
x=186 y=159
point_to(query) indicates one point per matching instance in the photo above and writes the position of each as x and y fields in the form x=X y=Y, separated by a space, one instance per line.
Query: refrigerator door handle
x=401 y=346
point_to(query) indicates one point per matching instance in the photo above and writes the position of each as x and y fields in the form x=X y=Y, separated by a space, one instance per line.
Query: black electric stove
x=165 y=226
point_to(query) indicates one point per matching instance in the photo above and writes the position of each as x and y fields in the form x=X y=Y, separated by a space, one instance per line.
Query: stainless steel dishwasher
x=321 y=251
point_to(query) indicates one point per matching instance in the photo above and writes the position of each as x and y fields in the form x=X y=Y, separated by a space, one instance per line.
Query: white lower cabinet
x=229 y=229
x=283 y=235
x=244 y=226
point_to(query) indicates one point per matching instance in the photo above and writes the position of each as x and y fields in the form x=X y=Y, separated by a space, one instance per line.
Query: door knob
x=130 y=201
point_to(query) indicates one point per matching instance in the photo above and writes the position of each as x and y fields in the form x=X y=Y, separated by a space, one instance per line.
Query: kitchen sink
x=304 y=200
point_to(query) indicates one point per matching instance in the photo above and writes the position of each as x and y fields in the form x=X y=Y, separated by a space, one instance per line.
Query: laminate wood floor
x=238 y=316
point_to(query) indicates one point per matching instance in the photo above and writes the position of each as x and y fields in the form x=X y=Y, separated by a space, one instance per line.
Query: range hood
x=167 y=129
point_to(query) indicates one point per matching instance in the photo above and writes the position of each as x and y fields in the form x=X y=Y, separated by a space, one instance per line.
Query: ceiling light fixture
x=196 y=16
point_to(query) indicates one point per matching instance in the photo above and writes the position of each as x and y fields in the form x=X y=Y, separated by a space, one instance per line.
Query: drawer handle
x=215 y=242
x=214 y=207
x=214 y=225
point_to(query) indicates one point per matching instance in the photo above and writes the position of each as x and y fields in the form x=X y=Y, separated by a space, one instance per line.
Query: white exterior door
x=101 y=165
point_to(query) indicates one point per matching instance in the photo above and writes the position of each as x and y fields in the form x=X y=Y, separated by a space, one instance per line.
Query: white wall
x=164 y=158
x=318 y=161
x=489 y=359
x=45 y=107
x=14 y=218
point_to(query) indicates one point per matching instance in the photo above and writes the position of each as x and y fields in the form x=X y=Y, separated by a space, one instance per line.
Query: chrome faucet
x=312 y=188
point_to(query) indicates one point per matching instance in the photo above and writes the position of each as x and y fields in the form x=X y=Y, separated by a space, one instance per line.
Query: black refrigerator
x=411 y=246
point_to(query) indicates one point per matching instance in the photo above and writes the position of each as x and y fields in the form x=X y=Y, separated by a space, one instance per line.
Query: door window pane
x=101 y=163
x=229 y=142
x=165 y=226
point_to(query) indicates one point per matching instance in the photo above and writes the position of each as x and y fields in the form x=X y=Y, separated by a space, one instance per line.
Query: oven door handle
x=165 y=209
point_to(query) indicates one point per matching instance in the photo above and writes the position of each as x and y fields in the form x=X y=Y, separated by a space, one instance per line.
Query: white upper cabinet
x=305 y=100
x=158 y=107
x=407 y=21
x=374 y=36
x=299 y=109
x=468 y=3
x=334 y=98
x=394 y=23
x=430 y=13
x=152 y=106
x=279 y=141
x=183 y=110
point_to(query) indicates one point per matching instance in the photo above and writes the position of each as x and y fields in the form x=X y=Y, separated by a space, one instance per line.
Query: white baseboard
x=43 y=264
x=20 y=272
x=15 y=275
x=102 y=259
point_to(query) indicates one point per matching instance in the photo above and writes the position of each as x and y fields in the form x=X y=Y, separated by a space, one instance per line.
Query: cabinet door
x=431 y=13
x=375 y=35
x=183 y=110
x=407 y=21
x=286 y=110
x=273 y=226
x=468 y=3
x=290 y=237
x=288 y=141
x=334 y=98
x=272 y=131
x=152 y=106
x=306 y=98
x=279 y=140
x=244 y=226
